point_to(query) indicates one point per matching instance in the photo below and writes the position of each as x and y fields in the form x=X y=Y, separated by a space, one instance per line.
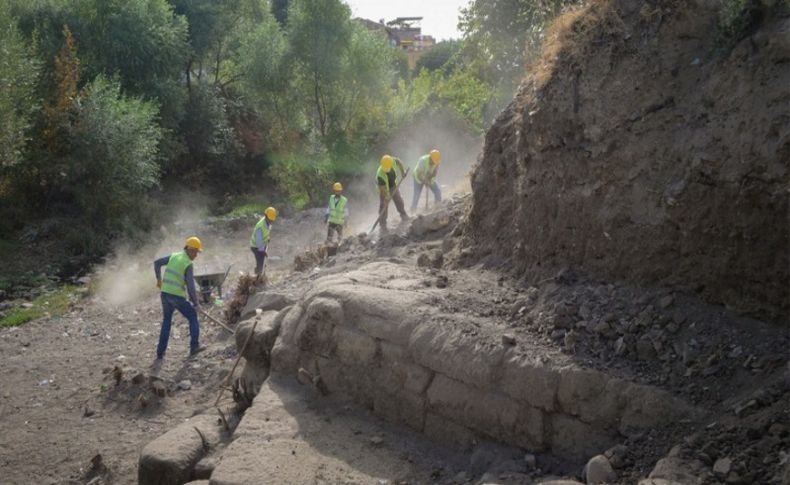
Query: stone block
x=170 y=459
x=529 y=381
x=314 y=332
x=448 y=433
x=574 y=439
x=260 y=345
x=462 y=357
x=266 y=301
x=353 y=347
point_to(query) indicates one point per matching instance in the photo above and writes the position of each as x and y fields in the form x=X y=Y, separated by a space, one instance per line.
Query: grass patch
x=247 y=209
x=52 y=304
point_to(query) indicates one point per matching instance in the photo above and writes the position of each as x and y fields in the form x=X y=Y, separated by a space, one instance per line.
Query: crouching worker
x=336 y=213
x=260 y=238
x=387 y=182
x=178 y=280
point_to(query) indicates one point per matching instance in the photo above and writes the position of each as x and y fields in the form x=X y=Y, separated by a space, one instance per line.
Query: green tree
x=112 y=160
x=212 y=142
x=18 y=101
x=501 y=37
x=319 y=34
x=268 y=78
x=439 y=57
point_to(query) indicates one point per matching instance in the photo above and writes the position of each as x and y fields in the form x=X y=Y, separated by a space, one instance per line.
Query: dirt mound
x=641 y=151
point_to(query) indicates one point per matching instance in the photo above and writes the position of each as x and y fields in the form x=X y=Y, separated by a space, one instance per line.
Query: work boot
x=196 y=351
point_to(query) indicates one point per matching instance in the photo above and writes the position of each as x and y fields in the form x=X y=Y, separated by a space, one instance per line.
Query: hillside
x=642 y=150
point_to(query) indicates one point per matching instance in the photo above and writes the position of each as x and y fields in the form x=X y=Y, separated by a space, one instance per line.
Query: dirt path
x=59 y=406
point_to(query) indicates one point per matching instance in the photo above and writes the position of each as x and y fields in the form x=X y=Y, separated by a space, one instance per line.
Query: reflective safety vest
x=382 y=175
x=337 y=212
x=174 y=281
x=424 y=169
x=265 y=228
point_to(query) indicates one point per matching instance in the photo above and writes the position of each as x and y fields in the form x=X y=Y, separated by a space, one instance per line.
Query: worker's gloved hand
x=159 y=284
x=196 y=306
x=264 y=253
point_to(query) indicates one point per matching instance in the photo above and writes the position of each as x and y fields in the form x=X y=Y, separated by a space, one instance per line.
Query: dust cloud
x=127 y=276
x=444 y=132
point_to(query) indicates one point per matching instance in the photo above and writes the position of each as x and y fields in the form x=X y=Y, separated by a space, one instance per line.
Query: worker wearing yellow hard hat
x=336 y=213
x=177 y=283
x=425 y=175
x=259 y=239
x=387 y=178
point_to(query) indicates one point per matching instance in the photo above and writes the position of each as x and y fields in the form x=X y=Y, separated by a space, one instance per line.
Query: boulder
x=677 y=469
x=265 y=301
x=428 y=224
x=598 y=470
x=171 y=458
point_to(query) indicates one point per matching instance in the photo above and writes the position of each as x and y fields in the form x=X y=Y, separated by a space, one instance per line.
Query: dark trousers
x=384 y=208
x=331 y=228
x=171 y=303
x=259 y=257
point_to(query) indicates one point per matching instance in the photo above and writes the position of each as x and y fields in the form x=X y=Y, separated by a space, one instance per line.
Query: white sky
x=440 y=17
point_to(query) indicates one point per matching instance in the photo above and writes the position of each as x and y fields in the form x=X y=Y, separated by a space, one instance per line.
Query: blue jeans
x=170 y=303
x=437 y=193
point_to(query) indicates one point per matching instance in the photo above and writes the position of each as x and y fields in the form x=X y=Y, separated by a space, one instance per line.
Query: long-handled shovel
x=205 y=314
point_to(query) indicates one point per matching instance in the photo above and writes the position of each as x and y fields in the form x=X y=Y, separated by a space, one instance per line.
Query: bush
x=737 y=19
x=304 y=182
x=111 y=161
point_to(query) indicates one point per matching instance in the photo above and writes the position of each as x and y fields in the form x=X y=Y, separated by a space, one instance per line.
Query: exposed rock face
x=644 y=154
x=374 y=334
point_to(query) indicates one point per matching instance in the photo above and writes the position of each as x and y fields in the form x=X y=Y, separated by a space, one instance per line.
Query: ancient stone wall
x=371 y=343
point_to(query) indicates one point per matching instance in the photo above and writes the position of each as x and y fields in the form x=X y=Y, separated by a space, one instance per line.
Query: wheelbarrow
x=209 y=282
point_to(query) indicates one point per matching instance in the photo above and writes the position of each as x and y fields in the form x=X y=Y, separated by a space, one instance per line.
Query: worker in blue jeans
x=425 y=175
x=178 y=280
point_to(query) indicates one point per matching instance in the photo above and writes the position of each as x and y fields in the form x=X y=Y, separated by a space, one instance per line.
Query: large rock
x=677 y=469
x=265 y=301
x=433 y=224
x=257 y=354
x=598 y=470
x=171 y=458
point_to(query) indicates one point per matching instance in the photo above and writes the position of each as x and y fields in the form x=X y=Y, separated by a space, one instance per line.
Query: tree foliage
x=207 y=92
x=442 y=56
x=500 y=36
x=19 y=72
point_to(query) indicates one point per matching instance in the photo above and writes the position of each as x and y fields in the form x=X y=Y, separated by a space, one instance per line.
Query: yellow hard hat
x=436 y=157
x=271 y=213
x=338 y=187
x=386 y=163
x=194 y=243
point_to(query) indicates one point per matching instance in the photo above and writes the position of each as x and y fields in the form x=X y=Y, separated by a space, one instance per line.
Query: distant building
x=403 y=33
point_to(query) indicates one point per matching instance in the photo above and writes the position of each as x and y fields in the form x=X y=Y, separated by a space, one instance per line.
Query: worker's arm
x=400 y=166
x=157 y=269
x=259 y=242
x=189 y=275
x=384 y=192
